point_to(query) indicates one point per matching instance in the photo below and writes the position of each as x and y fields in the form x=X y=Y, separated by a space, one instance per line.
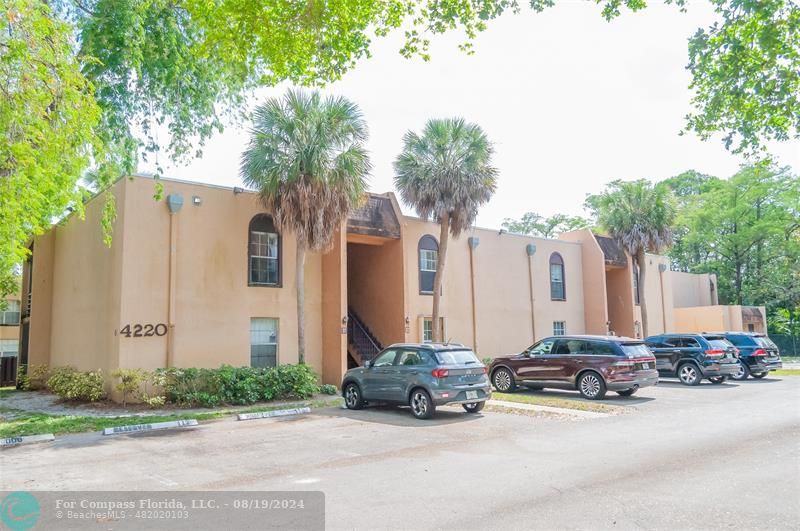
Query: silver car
x=422 y=376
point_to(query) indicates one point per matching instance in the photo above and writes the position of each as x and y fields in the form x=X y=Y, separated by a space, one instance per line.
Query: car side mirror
x=368 y=364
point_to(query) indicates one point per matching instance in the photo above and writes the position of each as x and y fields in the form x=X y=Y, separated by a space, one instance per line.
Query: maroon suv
x=590 y=364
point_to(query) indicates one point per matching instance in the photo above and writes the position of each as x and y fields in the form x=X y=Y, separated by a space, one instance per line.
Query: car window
x=570 y=346
x=765 y=342
x=740 y=340
x=410 y=358
x=385 y=358
x=542 y=347
x=674 y=342
x=457 y=357
x=601 y=348
x=691 y=342
x=719 y=343
x=637 y=350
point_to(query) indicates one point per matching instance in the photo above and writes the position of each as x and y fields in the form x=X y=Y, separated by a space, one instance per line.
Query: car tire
x=352 y=396
x=759 y=375
x=421 y=404
x=742 y=373
x=503 y=381
x=475 y=407
x=689 y=374
x=718 y=379
x=627 y=392
x=591 y=386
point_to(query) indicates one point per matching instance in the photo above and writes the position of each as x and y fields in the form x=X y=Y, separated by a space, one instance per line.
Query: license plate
x=472 y=394
x=645 y=366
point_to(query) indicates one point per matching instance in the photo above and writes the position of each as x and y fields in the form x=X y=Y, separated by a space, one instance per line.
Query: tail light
x=759 y=352
x=715 y=353
x=485 y=370
x=440 y=373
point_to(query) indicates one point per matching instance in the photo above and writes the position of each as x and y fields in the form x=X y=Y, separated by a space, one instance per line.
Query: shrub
x=487 y=361
x=72 y=384
x=236 y=385
x=130 y=383
x=32 y=377
x=328 y=389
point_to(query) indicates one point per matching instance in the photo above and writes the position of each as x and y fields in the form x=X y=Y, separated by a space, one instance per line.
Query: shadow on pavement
x=675 y=384
x=401 y=416
x=611 y=398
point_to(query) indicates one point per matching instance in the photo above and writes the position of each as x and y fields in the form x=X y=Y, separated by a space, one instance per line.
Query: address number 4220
x=145 y=330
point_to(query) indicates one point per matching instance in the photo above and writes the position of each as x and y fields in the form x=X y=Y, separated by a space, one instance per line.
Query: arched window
x=428 y=260
x=557 y=290
x=263 y=252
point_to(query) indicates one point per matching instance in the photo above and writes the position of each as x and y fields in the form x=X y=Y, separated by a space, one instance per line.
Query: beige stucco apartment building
x=201 y=278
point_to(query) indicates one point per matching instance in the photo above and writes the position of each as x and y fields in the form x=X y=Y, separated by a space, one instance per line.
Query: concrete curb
x=274 y=413
x=11 y=442
x=138 y=428
x=549 y=409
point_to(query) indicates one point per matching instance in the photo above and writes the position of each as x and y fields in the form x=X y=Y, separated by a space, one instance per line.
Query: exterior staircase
x=361 y=342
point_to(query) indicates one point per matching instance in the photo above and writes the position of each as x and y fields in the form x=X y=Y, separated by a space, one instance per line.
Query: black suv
x=693 y=357
x=757 y=354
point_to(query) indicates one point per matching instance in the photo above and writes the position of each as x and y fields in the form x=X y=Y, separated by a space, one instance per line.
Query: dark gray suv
x=421 y=376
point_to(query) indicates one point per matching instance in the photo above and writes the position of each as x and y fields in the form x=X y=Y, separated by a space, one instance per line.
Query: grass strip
x=785 y=372
x=550 y=401
x=20 y=423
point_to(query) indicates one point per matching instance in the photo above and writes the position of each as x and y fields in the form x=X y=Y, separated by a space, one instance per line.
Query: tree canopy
x=534 y=224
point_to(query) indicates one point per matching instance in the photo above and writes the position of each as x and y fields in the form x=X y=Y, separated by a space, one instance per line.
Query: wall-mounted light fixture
x=408 y=322
x=473 y=242
x=662 y=267
x=344 y=321
x=530 y=249
x=174 y=203
x=196 y=201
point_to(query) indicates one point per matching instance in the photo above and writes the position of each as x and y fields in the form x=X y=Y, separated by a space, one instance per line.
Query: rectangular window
x=636 y=284
x=557 y=282
x=263 y=258
x=263 y=342
x=428 y=260
x=559 y=328
x=11 y=314
x=9 y=348
x=427 y=330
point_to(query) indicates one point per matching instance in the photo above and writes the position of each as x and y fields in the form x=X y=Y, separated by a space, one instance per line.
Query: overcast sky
x=569 y=100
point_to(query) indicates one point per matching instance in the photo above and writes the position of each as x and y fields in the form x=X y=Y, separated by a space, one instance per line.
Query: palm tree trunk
x=640 y=261
x=444 y=236
x=301 y=299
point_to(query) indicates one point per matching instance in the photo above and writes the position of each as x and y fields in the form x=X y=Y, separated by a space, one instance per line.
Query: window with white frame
x=427 y=330
x=263 y=342
x=559 y=328
x=557 y=289
x=10 y=316
x=264 y=251
x=428 y=262
x=9 y=348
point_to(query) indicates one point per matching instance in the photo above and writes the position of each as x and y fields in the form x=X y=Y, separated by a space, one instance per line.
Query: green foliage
x=32 y=377
x=534 y=224
x=237 y=385
x=785 y=321
x=746 y=74
x=746 y=229
x=130 y=382
x=72 y=384
x=328 y=389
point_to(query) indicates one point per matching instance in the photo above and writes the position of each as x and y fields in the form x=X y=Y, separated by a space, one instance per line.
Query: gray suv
x=422 y=376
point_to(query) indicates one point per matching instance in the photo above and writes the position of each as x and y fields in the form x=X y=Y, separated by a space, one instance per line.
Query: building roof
x=613 y=253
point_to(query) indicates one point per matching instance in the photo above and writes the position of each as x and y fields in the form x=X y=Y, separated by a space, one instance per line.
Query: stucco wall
x=213 y=303
x=502 y=289
x=375 y=288
x=659 y=302
x=594 y=280
x=693 y=289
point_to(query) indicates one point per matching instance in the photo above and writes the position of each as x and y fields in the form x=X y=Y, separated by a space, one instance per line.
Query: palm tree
x=639 y=216
x=446 y=174
x=307 y=159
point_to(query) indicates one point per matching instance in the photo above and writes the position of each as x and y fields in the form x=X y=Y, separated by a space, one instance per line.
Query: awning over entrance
x=375 y=218
x=612 y=252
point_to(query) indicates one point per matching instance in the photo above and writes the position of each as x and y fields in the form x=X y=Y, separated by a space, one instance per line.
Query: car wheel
x=503 y=381
x=742 y=372
x=689 y=374
x=627 y=392
x=421 y=404
x=474 y=407
x=759 y=375
x=591 y=386
x=718 y=379
x=352 y=396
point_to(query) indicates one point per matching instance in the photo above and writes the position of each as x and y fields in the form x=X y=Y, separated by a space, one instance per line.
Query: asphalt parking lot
x=706 y=457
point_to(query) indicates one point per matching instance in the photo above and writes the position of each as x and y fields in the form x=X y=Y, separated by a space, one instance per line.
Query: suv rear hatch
x=639 y=357
x=767 y=349
x=721 y=350
x=459 y=367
